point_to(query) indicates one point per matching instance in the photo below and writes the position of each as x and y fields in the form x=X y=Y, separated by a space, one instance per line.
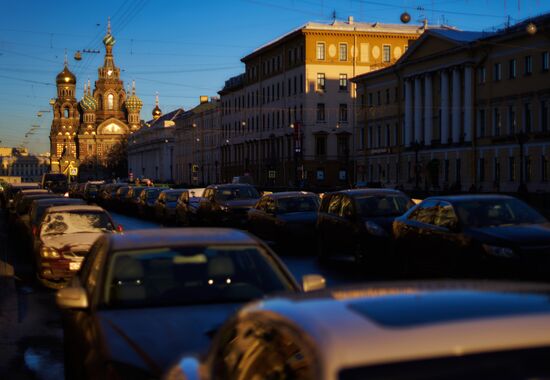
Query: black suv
x=227 y=205
x=358 y=223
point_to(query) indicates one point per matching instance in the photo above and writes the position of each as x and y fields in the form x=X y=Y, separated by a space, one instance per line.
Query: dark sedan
x=469 y=234
x=286 y=220
x=146 y=201
x=227 y=205
x=144 y=298
x=357 y=224
x=165 y=205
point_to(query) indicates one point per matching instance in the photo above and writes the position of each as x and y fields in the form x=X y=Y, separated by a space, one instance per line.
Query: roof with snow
x=165 y=120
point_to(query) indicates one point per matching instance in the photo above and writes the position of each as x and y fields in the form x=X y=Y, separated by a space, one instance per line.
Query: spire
x=133 y=87
x=109 y=25
x=89 y=87
x=156 y=111
x=157 y=99
x=66 y=62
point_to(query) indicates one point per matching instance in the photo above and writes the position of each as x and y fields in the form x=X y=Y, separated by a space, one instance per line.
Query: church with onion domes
x=84 y=132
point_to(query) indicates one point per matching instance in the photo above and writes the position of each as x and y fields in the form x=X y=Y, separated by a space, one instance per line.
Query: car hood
x=308 y=217
x=522 y=234
x=80 y=241
x=158 y=337
x=242 y=203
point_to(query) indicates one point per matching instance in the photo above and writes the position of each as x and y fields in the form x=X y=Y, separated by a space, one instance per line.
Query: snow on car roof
x=72 y=208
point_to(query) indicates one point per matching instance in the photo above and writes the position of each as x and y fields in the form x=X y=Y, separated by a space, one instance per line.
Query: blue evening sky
x=180 y=48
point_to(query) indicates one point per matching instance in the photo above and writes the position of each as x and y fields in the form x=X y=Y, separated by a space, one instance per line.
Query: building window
x=481 y=170
x=379 y=136
x=511 y=169
x=496 y=173
x=527 y=161
x=387 y=96
x=482 y=73
x=386 y=53
x=343 y=113
x=388 y=135
x=378 y=98
x=343 y=82
x=110 y=102
x=527 y=117
x=458 y=171
x=511 y=120
x=497 y=74
x=343 y=52
x=320 y=51
x=446 y=171
x=543 y=116
x=362 y=138
x=370 y=99
x=320 y=145
x=482 y=123
x=370 y=137
x=320 y=81
x=528 y=65
x=320 y=111
x=512 y=69
x=342 y=144
x=545 y=61
x=496 y=122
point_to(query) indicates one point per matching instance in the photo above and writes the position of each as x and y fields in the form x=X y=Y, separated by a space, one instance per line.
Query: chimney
x=350 y=20
x=203 y=99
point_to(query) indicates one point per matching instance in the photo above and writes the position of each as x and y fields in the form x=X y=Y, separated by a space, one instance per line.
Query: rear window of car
x=298 y=204
x=236 y=193
x=173 y=196
x=191 y=275
x=382 y=205
x=57 y=223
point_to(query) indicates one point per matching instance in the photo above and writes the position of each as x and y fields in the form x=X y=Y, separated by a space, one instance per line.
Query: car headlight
x=49 y=253
x=375 y=229
x=496 y=251
x=224 y=208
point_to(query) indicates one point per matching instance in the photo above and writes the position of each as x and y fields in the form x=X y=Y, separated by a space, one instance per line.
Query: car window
x=496 y=212
x=334 y=205
x=425 y=212
x=347 y=207
x=373 y=205
x=76 y=222
x=445 y=216
x=91 y=281
x=298 y=204
x=191 y=275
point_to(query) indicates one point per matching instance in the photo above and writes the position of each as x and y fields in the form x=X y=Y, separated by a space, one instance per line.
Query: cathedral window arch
x=100 y=102
x=66 y=112
x=110 y=102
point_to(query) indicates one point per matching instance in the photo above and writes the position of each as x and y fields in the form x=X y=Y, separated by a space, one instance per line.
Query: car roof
x=230 y=185
x=174 y=190
x=290 y=194
x=60 y=200
x=163 y=237
x=469 y=197
x=355 y=192
x=389 y=322
x=71 y=208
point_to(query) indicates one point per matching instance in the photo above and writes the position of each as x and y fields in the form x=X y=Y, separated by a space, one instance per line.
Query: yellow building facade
x=290 y=118
x=460 y=111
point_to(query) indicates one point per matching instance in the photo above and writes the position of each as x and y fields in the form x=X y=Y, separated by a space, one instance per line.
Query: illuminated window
x=110 y=102
x=343 y=52
x=321 y=51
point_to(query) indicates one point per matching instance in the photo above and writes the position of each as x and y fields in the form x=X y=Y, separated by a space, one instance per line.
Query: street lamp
x=416 y=146
x=521 y=138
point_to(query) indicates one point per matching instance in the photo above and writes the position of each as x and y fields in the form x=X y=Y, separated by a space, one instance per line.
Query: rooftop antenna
x=333 y=15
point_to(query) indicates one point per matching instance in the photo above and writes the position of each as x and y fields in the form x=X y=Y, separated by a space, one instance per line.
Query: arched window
x=100 y=102
x=110 y=102
x=66 y=112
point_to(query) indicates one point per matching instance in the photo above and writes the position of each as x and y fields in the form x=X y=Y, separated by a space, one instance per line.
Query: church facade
x=83 y=133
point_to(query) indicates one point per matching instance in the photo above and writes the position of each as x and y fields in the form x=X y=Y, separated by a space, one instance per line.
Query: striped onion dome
x=133 y=103
x=88 y=103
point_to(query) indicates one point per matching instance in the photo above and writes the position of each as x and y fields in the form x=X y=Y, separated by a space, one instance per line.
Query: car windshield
x=236 y=193
x=297 y=204
x=173 y=196
x=191 y=275
x=152 y=194
x=382 y=204
x=93 y=187
x=76 y=222
x=496 y=212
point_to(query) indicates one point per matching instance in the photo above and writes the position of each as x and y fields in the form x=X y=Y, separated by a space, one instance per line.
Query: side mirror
x=311 y=282
x=72 y=298
x=187 y=368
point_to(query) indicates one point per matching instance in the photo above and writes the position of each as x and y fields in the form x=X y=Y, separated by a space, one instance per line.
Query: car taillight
x=34 y=230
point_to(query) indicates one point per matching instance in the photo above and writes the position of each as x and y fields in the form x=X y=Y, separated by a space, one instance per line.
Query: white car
x=433 y=330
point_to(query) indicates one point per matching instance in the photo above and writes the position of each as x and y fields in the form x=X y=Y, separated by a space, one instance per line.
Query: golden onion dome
x=156 y=112
x=65 y=77
x=133 y=103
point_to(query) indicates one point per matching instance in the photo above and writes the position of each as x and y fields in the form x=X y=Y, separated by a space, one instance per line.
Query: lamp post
x=416 y=146
x=521 y=138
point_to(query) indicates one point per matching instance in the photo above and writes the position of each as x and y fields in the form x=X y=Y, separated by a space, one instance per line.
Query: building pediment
x=112 y=126
x=428 y=45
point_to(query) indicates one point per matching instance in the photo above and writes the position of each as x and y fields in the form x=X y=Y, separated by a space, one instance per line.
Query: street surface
x=31 y=336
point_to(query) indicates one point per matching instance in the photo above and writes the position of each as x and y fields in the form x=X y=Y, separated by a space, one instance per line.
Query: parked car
x=107 y=194
x=473 y=234
x=131 y=200
x=388 y=331
x=145 y=297
x=55 y=182
x=146 y=201
x=117 y=201
x=91 y=190
x=186 y=207
x=22 y=209
x=39 y=207
x=65 y=236
x=286 y=220
x=165 y=205
x=227 y=205
x=14 y=201
x=358 y=224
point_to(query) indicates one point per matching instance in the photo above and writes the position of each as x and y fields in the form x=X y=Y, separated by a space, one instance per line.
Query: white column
x=456 y=105
x=418 y=129
x=444 y=107
x=408 y=112
x=428 y=112
x=468 y=104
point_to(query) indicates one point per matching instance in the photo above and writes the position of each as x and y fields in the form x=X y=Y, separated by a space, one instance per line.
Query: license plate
x=74 y=266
